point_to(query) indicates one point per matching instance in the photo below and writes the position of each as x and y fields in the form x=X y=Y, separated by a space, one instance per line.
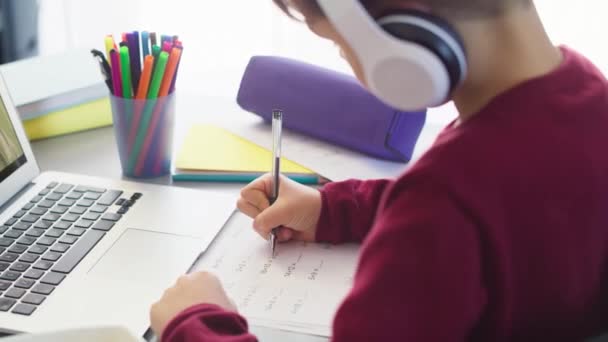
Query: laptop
x=78 y=251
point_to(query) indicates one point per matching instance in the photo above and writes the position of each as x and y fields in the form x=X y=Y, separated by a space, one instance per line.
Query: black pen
x=105 y=68
x=277 y=128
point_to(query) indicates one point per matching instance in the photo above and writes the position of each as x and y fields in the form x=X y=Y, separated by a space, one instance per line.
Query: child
x=498 y=233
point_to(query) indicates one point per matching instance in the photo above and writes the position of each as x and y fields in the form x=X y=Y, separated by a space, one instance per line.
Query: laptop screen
x=11 y=153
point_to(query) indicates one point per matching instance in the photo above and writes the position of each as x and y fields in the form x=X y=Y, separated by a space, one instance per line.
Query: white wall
x=220 y=36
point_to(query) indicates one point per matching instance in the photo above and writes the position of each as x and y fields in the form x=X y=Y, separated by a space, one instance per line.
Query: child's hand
x=189 y=290
x=297 y=209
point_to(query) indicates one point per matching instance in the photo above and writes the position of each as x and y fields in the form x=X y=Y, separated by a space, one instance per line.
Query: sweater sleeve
x=419 y=276
x=348 y=210
x=207 y=322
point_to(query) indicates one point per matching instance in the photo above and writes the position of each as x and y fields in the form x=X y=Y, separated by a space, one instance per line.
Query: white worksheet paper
x=298 y=290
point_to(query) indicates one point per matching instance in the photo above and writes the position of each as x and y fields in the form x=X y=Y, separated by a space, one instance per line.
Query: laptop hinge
x=16 y=196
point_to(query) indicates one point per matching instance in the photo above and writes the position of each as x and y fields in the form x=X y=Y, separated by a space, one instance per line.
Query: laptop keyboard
x=45 y=240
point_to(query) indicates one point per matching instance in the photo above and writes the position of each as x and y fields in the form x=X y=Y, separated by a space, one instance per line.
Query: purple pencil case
x=330 y=106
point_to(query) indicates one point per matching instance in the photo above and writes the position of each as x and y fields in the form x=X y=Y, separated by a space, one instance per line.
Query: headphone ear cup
x=433 y=34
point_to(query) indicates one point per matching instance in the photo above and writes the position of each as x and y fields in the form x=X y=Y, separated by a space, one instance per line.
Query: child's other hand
x=297 y=209
x=189 y=290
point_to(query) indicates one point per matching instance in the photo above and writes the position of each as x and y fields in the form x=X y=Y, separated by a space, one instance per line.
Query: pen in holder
x=144 y=134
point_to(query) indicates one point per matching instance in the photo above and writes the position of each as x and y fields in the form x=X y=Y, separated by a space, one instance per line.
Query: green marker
x=125 y=69
x=157 y=78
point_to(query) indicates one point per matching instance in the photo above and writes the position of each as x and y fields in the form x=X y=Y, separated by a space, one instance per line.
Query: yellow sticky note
x=210 y=148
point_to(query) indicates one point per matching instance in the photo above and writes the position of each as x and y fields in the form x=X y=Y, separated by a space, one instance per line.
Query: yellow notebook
x=81 y=117
x=211 y=153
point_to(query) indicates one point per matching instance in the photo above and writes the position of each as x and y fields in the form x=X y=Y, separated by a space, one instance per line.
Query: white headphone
x=411 y=60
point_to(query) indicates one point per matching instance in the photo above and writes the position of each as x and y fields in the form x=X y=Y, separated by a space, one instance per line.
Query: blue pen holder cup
x=144 y=135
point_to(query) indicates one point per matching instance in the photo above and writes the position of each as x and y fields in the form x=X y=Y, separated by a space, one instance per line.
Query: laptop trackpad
x=141 y=256
x=133 y=274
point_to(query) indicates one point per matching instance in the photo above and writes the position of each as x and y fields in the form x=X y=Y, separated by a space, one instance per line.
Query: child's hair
x=467 y=8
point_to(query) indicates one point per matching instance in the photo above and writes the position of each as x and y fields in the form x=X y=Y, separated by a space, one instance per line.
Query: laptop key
x=22 y=225
x=67 y=239
x=63 y=225
x=70 y=217
x=38 y=211
x=46 y=241
x=92 y=195
x=10 y=221
x=98 y=209
x=51 y=217
x=44 y=192
x=122 y=210
x=84 y=223
x=25 y=283
x=28 y=257
x=33 y=274
x=28 y=206
x=74 y=195
x=137 y=196
x=43 y=265
x=37 y=249
x=9 y=257
x=78 y=251
x=103 y=225
x=4 y=285
x=76 y=231
x=59 y=209
x=51 y=256
x=10 y=275
x=60 y=248
x=5 y=242
x=35 y=232
x=78 y=210
x=26 y=240
x=4 y=266
x=85 y=203
x=24 y=309
x=15 y=293
x=13 y=234
x=19 y=267
x=109 y=197
x=55 y=196
x=19 y=214
x=66 y=202
x=52 y=185
x=17 y=249
x=54 y=233
x=82 y=188
x=91 y=216
x=34 y=299
x=43 y=289
x=111 y=217
x=30 y=218
x=43 y=224
x=3 y=229
x=52 y=278
x=6 y=304
x=36 y=199
x=64 y=188
x=46 y=204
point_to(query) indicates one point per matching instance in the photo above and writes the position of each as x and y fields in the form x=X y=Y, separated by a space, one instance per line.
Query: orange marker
x=144 y=82
x=176 y=54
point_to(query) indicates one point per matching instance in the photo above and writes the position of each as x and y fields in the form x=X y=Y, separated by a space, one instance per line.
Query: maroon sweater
x=499 y=232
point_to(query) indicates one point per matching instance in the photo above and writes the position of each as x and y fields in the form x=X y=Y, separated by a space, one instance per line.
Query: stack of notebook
x=213 y=154
x=59 y=94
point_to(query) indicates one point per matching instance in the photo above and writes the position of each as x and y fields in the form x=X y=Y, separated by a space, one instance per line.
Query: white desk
x=95 y=153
